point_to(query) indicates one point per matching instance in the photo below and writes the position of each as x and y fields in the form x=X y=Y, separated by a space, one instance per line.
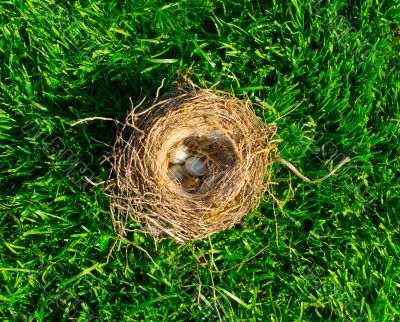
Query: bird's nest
x=234 y=147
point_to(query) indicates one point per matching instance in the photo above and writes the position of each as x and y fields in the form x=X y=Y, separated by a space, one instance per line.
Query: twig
x=245 y=261
x=95 y=118
x=158 y=90
x=304 y=178
x=212 y=279
x=107 y=119
x=95 y=183
x=276 y=229
x=291 y=111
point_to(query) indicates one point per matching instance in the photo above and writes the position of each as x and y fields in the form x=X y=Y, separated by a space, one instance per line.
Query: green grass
x=335 y=255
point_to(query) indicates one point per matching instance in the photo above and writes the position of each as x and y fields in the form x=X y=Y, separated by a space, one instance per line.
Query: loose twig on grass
x=304 y=178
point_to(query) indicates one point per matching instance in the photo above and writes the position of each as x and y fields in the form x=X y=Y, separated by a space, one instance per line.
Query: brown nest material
x=236 y=151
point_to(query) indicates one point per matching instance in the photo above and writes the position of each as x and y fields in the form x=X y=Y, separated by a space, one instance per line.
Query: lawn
x=331 y=252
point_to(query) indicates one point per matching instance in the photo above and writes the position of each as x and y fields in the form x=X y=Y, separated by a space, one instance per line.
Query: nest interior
x=236 y=148
x=214 y=151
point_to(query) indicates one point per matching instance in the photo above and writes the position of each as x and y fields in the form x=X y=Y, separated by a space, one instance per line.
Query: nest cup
x=235 y=147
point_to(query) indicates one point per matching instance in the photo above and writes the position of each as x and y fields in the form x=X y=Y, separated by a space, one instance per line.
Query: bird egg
x=179 y=154
x=177 y=173
x=195 y=166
